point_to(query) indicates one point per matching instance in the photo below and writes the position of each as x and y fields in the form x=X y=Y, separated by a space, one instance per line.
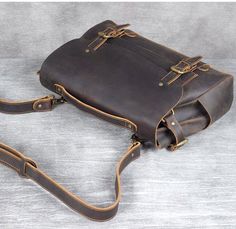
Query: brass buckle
x=181 y=70
x=111 y=32
x=118 y=31
x=174 y=147
x=186 y=65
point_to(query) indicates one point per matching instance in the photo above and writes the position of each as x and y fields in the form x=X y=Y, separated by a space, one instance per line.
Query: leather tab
x=173 y=125
x=44 y=104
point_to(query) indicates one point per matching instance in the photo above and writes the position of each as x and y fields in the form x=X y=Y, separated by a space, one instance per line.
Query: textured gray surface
x=36 y=29
x=192 y=188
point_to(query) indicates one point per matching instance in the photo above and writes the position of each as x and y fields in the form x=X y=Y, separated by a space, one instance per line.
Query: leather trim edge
x=127 y=123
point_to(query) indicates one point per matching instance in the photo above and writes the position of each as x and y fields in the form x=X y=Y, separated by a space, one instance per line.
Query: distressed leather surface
x=117 y=83
x=122 y=76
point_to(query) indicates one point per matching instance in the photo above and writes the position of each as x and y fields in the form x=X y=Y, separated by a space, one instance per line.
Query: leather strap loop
x=174 y=126
x=11 y=157
x=27 y=168
x=23 y=172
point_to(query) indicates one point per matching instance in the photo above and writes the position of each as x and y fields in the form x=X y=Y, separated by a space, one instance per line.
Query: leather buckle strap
x=186 y=65
x=174 y=126
x=110 y=32
x=113 y=32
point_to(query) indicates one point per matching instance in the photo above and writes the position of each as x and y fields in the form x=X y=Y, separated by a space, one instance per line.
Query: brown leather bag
x=162 y=96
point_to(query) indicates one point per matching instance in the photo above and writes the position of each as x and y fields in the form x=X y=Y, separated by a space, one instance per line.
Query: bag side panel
x=218 y=99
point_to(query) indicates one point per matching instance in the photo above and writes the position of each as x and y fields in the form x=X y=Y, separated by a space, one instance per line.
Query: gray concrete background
x=192 y=188
x=36 y=29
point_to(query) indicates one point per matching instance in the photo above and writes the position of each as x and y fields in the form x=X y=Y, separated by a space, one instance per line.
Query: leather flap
x=114 y=79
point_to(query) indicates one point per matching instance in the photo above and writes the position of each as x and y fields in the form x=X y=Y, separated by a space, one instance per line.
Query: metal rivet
x=87 y=50
x=59 y=89
x=172 y=123
x=160 y=84
x=40 y=105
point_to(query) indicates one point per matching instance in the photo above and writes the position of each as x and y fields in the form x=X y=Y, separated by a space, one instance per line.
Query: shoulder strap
x=36 y=105
x=27 y=168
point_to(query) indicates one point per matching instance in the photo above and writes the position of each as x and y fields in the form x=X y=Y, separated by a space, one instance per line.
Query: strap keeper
x=22 y=171
x=43 y=104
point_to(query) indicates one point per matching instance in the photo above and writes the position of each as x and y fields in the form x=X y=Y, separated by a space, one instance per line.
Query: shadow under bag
x=162 y=96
